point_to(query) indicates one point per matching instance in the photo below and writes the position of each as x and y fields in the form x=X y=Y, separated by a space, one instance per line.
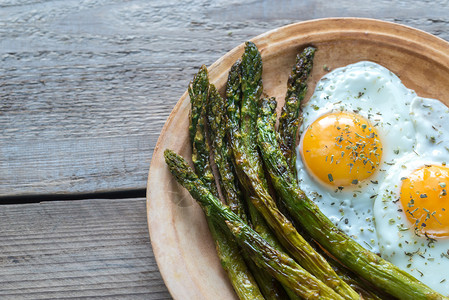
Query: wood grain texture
x=77 y=249
x=86 y=86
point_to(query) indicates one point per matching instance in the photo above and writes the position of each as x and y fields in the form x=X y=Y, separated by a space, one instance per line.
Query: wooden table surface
x=85 y=88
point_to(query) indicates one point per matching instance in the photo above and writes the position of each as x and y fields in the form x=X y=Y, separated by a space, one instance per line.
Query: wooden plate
x=181 y=242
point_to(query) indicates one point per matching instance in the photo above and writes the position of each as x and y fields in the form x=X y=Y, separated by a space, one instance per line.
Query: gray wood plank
x=78 y=249
x=86 y=86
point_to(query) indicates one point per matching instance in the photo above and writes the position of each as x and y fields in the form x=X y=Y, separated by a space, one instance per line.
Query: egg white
x=372 y=91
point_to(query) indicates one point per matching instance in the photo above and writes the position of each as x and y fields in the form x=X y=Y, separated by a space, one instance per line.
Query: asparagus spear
x=228 y=252
x=358 y=284
x=198 y=91
x=271 y=288
x=216 y=115
x=366 y=290
x=251 y=72
x=233 y=103
x=366 y=264
x=251 y=174
x=233 y=98
x=289 y=118
x=278 y=264
x=233 y=95
x=261 y=227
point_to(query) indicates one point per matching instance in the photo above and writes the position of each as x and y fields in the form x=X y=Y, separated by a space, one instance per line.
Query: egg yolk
x=341 y=149
x=425 y=202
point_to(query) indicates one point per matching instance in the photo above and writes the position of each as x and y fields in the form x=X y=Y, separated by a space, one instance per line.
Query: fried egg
x=355 y=126
x=412 y=209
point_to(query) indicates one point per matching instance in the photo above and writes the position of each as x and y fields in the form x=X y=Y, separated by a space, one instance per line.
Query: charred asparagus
x=278 y=264
x=232 y=262
x=289 y=118
x=251 y=174
x=216 y=115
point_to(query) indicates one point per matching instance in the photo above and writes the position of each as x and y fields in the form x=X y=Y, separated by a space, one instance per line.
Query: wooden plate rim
x=344 y=28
